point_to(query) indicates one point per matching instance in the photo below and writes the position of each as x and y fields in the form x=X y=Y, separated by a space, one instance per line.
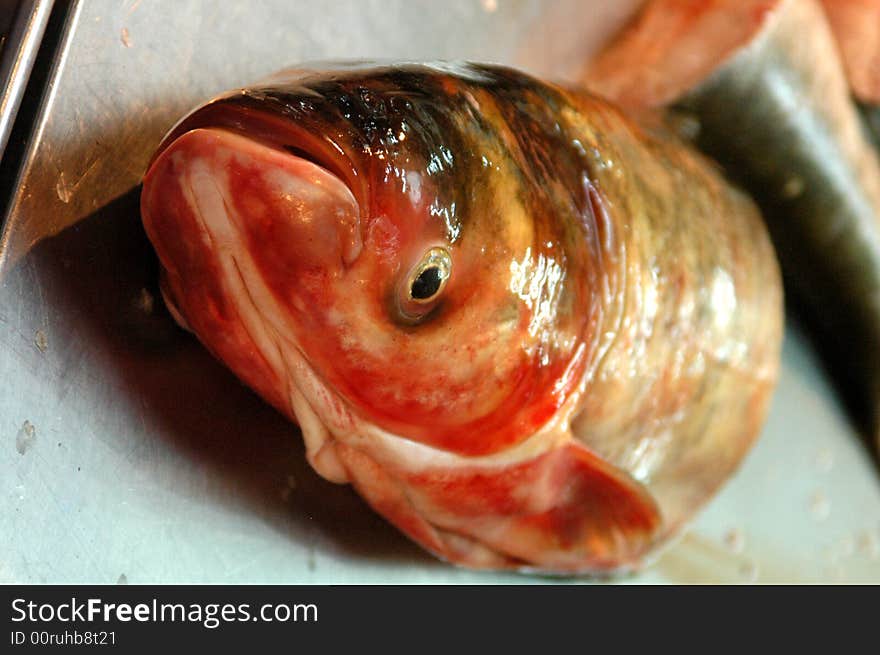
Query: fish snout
x=253 y=200
x=250 y=238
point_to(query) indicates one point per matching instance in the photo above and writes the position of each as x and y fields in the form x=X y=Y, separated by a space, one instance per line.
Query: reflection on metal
x=17 y=59
x=36 y=147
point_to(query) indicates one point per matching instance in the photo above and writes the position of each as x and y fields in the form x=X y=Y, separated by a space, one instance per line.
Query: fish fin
x=598 y=516
x=565 y=511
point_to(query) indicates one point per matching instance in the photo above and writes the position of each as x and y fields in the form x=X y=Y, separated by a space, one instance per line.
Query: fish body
x=854 y=24
x=774 y=109
x=531 y=334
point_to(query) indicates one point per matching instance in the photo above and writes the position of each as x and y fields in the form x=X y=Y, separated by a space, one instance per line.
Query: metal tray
x=128 y=454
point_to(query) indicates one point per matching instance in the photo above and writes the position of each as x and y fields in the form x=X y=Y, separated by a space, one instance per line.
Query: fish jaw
x=547 y=505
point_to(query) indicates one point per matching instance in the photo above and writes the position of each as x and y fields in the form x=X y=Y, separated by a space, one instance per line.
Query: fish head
x=397 y=262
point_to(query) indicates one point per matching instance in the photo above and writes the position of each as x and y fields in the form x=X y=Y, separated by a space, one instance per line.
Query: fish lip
x=314 y=145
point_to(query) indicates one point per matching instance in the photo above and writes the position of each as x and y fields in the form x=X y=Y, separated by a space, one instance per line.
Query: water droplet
x=820 y=506
x=749 y=571
x=824 y=460
x=793 y=187
x=735 y=540
x=25 y=437
x=40 y=341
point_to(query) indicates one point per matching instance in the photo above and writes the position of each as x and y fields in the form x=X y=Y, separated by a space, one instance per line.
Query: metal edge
x=18 y=60
x=72 y=11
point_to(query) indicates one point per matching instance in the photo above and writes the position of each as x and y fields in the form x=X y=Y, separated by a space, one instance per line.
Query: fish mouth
x=240 y=226
x=226 y=213
x=307 y=143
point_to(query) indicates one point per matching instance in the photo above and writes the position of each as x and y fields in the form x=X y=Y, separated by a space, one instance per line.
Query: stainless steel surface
x=17 y=58
x=127 y=453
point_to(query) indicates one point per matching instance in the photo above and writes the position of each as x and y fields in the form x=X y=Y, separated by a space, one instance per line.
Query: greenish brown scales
x=690 y=369
x=774 y=109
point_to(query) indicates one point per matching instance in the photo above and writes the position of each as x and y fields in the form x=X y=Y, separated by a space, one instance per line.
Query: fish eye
x=424 y=285
x=427 y=284
x=429 y=277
